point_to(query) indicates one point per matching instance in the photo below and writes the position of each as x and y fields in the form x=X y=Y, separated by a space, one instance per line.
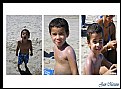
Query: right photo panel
x=98 y=45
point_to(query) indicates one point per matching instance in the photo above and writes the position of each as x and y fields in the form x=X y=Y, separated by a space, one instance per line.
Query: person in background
x=109 y=33
x=83 y=17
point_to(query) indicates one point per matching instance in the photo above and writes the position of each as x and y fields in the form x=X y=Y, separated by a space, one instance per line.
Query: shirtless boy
x=64 y=54
x=23 y=46
x=95 y=58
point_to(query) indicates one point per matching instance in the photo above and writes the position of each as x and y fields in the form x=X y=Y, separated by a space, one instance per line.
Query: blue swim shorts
x=23 y=57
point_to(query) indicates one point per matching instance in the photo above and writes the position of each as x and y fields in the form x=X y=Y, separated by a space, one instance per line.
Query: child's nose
x=97 y=44
x=58 y=36
x=25 y=34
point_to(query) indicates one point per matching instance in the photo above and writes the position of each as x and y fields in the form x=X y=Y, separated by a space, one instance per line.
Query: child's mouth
x=98 y=49
x=24 y=37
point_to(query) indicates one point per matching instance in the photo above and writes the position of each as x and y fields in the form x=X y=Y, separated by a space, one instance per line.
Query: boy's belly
x=62 y=69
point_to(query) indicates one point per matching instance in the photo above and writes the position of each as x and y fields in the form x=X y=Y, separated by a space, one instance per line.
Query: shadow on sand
x=26 y=72
x=51 y=54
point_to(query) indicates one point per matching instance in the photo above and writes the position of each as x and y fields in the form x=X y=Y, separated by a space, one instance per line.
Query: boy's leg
x=20 y=60
x=18 y=66
x=26 y=58
x=26 y=65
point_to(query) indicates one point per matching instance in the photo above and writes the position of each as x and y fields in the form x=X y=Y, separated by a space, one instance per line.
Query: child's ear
x=88 y=42
x=67 y=34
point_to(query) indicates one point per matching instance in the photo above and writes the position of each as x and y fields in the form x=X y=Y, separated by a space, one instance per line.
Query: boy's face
x=24 y=35
x=58 y=36
x=96 y=42
x=109 y=18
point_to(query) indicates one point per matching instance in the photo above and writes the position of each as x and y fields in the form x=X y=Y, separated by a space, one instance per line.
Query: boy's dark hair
x=26 y=31
x=59 y=22
x=94 y=28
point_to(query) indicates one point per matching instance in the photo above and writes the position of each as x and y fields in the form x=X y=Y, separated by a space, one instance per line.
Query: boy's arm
x=72 y=61
x=17 y=48
x=111 y=67
x=110 y=44
x=31 y=49
x=106 y=63
x=88 y=66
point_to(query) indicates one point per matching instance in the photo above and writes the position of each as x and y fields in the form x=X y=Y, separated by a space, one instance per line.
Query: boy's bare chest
x=24 y=46
x=60 y=56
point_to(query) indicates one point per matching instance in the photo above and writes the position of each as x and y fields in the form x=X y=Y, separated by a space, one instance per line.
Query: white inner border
x=60 y=81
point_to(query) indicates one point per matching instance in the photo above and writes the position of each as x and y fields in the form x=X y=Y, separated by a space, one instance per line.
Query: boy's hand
x=113 y=66
x=112 y=44
x=31 y=54
x=112 y=70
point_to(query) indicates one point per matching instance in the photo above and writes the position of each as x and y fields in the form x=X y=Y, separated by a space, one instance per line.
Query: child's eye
x=54 y=34
x=100 y=41
x=94 y=42
x=61 y=33
x=24 y=34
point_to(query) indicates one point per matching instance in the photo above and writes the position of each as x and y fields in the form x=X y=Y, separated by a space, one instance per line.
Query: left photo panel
x=23 y=45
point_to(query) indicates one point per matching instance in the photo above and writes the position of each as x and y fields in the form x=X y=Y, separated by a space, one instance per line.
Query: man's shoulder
x=100 y=21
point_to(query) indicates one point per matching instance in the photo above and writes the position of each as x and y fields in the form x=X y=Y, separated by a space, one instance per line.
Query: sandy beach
x=14 y=25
